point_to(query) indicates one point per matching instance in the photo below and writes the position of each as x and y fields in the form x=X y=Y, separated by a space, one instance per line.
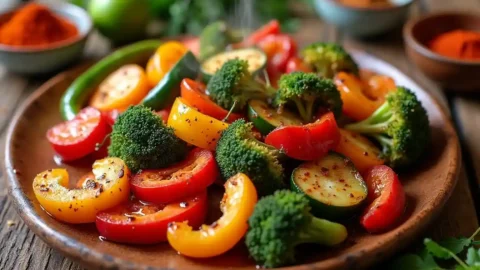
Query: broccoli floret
x=326 y=59
x=140 y=138
x=233 y=86
x=239 y=152
x=401 y=127
x=282 y=221
x=308 y=92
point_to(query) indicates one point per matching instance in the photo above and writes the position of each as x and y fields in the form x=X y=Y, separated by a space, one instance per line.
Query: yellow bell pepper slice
x=193 y=126
x=211 y=240
x=109 y=188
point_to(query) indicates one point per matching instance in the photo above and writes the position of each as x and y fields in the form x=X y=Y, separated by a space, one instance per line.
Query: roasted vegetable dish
x=301 y=141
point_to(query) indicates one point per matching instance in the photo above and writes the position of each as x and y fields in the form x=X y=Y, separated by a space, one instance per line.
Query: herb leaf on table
x=449 y=251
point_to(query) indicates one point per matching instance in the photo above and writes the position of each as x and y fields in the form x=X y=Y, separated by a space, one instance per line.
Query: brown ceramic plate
x=428 y=186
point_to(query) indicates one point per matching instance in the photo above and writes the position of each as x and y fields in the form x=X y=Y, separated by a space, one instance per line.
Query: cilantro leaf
x=436 y=250
x=473 y=257
x=414 y=262
x=455 y=245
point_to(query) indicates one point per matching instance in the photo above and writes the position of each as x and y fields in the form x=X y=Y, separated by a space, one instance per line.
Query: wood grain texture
x=21 y=249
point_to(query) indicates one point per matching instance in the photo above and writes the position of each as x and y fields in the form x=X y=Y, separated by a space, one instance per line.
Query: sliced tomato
x=164 y=114
x=308 y=142
x=126 y=86
x=193 y=175
x=273 y=27
x=194 y=93
x=279 y=48
x=386 y=197
x=78 y=137
x=137 y=222
x=296 y=64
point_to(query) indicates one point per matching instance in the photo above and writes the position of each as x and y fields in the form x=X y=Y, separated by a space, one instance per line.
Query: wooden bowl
x=428 y=186
x=448 y=72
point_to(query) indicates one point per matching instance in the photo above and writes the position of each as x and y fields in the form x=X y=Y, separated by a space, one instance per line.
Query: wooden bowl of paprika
x=41 y=39
x=446 y=47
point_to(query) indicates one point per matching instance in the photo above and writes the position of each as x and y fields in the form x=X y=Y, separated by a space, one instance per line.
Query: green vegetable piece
x=266 y=119
x=400 y=126
x=333 y=185
x=140 y=138
x=165 y=92
x=282 y=221
x=239 y=151
x=307 y=92
x=327 y=59
x=214 y=39
x=232 y=86
x=79 y=91
x=257 y=60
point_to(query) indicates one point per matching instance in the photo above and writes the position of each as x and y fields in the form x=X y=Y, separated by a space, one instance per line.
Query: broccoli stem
x=301 y=109
x=377 y=122
x=322 y=231
x=310 y=104
x=386 y=142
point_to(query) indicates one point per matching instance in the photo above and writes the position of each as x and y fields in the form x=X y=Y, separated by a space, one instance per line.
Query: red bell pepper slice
x=386 y=197
x=296 y=64
x=279 y=48
x=191 y=176
x=78 y=137
x=137 y=222
x=194 y=93
x=308 y=142
x=273 y=27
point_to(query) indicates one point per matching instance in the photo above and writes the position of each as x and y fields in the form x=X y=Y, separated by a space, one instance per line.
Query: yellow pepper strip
x=80 y=205
x=194 y=127
x=211 y=240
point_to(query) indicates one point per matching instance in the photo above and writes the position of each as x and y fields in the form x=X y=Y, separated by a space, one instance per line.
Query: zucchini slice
x=334 y=186
x=266 y=119
x=255 y=57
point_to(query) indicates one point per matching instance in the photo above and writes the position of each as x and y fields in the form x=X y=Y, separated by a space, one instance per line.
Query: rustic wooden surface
x=21 y=249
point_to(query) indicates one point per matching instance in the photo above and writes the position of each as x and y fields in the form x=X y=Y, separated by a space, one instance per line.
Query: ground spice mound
x=36 y=25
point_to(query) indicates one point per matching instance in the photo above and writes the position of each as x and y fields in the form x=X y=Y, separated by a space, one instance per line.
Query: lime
x=121 y=21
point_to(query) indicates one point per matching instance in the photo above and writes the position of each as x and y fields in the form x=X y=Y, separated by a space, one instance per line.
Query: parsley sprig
x=445 y=252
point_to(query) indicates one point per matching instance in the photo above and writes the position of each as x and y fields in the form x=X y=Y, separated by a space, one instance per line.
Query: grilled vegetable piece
x=232 y=86
x=326 y=59
x=400 y=126
x=282 y=221
x=307 y=92
x=140 y=138
x=238 y=151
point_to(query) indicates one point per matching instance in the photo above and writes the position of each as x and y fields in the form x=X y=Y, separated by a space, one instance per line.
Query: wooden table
x=21 y=249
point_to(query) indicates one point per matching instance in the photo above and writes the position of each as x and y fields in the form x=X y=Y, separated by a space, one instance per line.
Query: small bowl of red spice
x=446 y=47
x=39 y=39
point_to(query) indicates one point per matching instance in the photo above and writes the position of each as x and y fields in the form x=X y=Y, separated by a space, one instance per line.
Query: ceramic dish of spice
x=364 y=18
x=40 y=39
x=446 y=47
